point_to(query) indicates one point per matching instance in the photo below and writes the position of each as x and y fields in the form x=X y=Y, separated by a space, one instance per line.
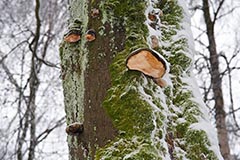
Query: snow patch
x=156 y=112
x=203 y=121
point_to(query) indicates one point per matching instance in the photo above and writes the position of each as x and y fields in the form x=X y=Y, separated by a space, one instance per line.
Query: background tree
x=117 y=113
x=30 y=105
x=217 y=63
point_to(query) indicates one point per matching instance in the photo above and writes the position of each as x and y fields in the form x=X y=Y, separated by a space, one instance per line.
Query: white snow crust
x=159 y=97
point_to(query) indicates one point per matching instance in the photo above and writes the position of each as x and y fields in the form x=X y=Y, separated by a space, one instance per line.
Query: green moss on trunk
x=152 y=122
x=131 y=114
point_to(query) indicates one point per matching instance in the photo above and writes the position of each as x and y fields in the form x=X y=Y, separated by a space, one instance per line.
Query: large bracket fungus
x=150 y=63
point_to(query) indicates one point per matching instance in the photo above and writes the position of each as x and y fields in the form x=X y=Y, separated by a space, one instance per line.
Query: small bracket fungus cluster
x=73 y=36
x=75 y=128
x=153 y=20
x=74 y=33
x=150 y=63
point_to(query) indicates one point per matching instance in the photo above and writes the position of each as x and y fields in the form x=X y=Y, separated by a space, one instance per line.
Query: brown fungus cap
x=72 y=36
x=90 y=35
x=75 y=128
x=148 y=62
x=152 y=17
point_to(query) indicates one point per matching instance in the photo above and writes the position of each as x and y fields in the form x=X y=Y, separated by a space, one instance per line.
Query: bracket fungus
x=95 y=12
x=152 y=16
x=150 y=63
x=90 y=35
x=154 y=41
x=75 y=128
x=73 y=35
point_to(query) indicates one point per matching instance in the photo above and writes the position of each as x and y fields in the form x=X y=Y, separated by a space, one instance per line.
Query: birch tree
x=118 y=108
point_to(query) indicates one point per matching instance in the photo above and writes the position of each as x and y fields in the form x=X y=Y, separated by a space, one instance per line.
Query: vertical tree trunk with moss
x=125 y=114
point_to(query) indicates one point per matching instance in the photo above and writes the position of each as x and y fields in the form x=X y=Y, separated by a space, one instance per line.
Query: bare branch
x=227 y=13
x=230 y=91
x=217 y=11
x=47 y=131
x=10 y=77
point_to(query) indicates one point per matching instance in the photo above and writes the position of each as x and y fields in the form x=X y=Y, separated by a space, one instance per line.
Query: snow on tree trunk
x=125 y=114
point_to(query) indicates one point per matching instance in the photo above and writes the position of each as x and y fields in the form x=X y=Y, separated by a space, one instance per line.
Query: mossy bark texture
x=124 y=113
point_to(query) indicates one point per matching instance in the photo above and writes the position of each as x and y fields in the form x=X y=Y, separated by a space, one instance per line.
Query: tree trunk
x=124 y=114
x=216 y=82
